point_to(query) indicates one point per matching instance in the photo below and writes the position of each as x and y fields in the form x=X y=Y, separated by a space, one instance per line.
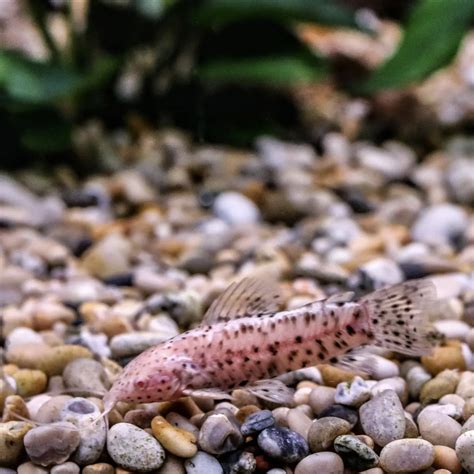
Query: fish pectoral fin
x=249 y=297
x=341 y=298
x=272 y=390
x=357 y=360
x=212 y=393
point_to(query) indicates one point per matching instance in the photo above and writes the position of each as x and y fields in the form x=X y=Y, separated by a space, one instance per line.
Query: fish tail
x=398 y=317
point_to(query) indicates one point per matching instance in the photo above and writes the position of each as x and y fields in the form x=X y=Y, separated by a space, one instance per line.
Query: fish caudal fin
x=398 y=317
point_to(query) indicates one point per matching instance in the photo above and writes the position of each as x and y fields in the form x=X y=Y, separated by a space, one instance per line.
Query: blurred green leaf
x=35 y=82
x=153 y=8
x=47 y=138
x=274 y=71
x=219 y=12
x=431 y=39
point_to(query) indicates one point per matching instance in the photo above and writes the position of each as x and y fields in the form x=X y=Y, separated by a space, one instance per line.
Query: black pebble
x=283 y=444
x=256 y=422
x=341 y=411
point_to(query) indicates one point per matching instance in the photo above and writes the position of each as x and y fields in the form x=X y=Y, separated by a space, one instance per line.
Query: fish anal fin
x=271 y=390
x=359 y=360
x=249 y=297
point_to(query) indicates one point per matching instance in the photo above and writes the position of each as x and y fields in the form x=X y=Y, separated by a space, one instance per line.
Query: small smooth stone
x=130 y=344
x=30 y=382
x=237 y=462
x=12 y=435
x=6 y=470
x=302 y=395
x=203 y=463
x=14 y=406
x=341 y=411
x=332 y=376
x=82 y=413
x=219 y=435
x=30 y=468
x=299 y=422
x=352 y=393
x=465 y=450
x=397 y=384
x=321 y=398
x=453 y=399
x=50 y=410
x=182 y=422
x=172 y=465
x=443 y=384
x=411 y=430
x=416 y=378
x=383 y=368
x=236 y=209
x=445 y=458
x=468 y=408
x=322 y=432
x=407 y=455
x=452 y=328
x=281 y=416
x=383 y=418
x=86 y=374
x=99 y=468
x=465 y=387
x=6 y=389
x=52 y=444
x=438 y=428
x=356 y=454
x=327 y=462
x=374 y=470
x=468 y=425
x=283 y=444
x=179 y=442
x=442 y=358
x=256 y=422
x=134 y=449
x=66 y=468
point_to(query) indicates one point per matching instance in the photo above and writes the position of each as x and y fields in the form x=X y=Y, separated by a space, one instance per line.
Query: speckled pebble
x=219 y=435
x=52 y=444
x=352 y=393
x=283 y=444
x=327 y=462
x=407 y=455
x=356 y=454
x=203 y=463
x=256 y=422
x=383 y=418
x=134 y=449
x=465 y=450
x=177 y=441
x=322 y=432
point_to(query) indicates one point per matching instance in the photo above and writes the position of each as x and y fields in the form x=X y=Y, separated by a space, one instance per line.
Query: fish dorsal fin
x=341 y=298
x=272 y=390
x=249 y=297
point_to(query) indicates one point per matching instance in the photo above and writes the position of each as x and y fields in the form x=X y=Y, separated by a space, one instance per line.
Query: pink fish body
x=244 y=341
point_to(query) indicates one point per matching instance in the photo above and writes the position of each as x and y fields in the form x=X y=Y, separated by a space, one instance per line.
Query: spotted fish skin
x=237 y=352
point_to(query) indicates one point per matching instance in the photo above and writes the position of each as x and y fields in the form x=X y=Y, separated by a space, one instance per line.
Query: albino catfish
x=245 y=342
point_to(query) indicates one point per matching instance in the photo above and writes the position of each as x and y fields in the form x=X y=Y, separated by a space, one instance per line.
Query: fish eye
x=140 y=383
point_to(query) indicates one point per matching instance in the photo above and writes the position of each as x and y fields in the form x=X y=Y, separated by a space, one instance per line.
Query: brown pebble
x=446 y=458
x=99 y=468
x=442 y=358
x=468 y=408
x=30 y=382
x=14 y=405
x=443 y=384
x=245 y=411
x=30 y=468
x=333 y=376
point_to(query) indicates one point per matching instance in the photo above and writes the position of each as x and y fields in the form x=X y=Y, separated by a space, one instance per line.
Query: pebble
x=86 y=374
x=14 y=406
x=6 y=389
x=236 y=209
x=327 y=462
x=299 y=422
x=182 y=422
x=352 y=393
x=383 y=418
x=82 y=413
x=411 y=429
x=52 y=444
x=438 y=428
x=219 y=435
x=445 y=458
x=134 y=449
x=443 y=384
x=442 y=358
x=356 y=454
x=12 y=434
x=465 y=450
x=177 y=441
x=322 y=432
x=238 y=462
x=66 y=468
x=50 y=410
x=440 y=224
x=407 y=455
x=99 y=468
x=131 y=344
x=172 y=465
x=341 y=411
x=283 y=444
x=30 y=468
x=397 y=384
x=468 y=409
x=465 y=387
x=321 y=398
x=30 y=382
x=203 y=463
x=332 y=376
x=256 y=422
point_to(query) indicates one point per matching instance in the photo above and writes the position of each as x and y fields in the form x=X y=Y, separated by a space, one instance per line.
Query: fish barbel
x=244 y=341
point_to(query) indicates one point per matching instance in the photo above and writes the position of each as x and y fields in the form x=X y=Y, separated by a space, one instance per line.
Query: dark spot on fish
x=243 y=382
x=246 y=359
x=333 y=360
x=321 y=356
x=298 y=339
x=336 y=344
x=309 y=352
x=256 y=349
x=350 y=330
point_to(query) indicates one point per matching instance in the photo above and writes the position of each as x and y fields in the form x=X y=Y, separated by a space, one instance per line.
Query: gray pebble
x=438 y=428
x=256 y=422
x=134 y=449
x=66 y=468
x=51 y=444
x=86 y=374
x=219 y=435
x=465 y=450
x=407 y=455
x=383 y=418
x=30 y=468
x=341 y=411
x=82 y=413
x=356 y=454
x=203 y=463
x=352 y=393
x=283 y=444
